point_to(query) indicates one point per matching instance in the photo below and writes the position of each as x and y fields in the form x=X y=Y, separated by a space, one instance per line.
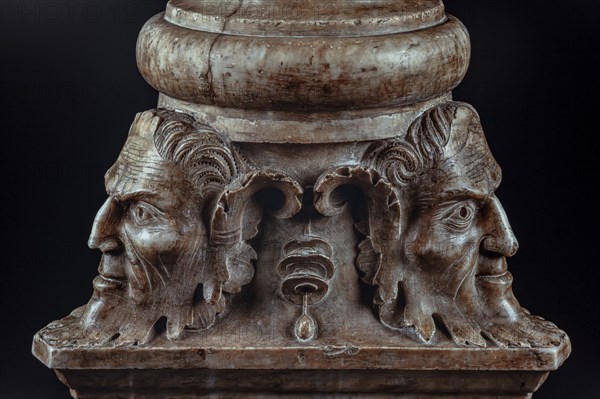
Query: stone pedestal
x=307 y=213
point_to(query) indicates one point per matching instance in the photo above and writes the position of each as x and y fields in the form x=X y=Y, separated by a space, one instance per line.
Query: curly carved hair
x=207 y=161
x=402 y=160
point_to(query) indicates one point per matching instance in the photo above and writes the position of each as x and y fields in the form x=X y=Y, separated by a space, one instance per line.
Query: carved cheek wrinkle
x=138 y=271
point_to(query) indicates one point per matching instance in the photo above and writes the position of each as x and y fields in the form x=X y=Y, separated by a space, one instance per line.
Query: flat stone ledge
x=295 y=18
x=192 y=370
x=188 y=384
x=280 y=127
x=302 y=357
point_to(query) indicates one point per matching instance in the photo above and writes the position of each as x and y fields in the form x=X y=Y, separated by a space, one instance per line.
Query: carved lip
x=112 y=267
x=504 y=278
x=103 y=283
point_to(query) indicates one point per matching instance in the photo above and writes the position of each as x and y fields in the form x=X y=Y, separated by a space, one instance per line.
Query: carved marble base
x=307 y=213
x=302 y=372
x=251 y=360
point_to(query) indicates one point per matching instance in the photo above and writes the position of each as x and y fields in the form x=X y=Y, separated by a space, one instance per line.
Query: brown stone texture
x=307 y=213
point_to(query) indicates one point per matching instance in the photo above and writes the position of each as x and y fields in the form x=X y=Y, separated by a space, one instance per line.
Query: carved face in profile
x=148 y=221
x=456 y=238
x=449 y=262
x=454 y=212
x=174 y=231
x=455 y=230
x=150 y=233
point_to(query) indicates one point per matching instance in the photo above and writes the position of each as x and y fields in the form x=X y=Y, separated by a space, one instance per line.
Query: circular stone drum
x=332 y=71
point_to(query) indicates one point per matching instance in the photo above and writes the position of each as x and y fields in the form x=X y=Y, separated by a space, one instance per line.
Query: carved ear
x=235 y=222
x=381 y=225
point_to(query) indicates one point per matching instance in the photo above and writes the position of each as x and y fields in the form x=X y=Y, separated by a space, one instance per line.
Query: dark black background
x=70 y=89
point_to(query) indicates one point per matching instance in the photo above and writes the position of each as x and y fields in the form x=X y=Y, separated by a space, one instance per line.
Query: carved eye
x=143 y=214
x=461 y=217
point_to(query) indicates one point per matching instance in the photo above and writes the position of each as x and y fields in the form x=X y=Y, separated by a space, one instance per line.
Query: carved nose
x=500 y=238
x=104 y=230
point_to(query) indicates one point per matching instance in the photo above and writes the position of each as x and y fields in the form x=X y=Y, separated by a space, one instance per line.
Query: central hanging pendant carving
x=306 y=270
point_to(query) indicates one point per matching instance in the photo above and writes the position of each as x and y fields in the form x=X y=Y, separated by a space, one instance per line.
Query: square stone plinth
x=205 y=368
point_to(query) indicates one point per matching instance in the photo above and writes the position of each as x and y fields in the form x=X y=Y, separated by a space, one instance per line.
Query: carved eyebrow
x=133 y=195
x=465 y=194
x=454 y=196
x=426 y=200
x=423 y=200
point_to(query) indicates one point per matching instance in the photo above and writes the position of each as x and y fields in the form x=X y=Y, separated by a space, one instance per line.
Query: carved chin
x=103 y=316
x=124 y=312
x=107 y=318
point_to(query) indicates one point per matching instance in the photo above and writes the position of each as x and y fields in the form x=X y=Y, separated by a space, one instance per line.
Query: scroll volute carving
x=174 y=230
x=437 y=237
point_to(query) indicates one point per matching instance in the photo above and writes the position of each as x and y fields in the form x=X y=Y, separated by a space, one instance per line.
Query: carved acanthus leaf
x=381 y=225
x=235 y=222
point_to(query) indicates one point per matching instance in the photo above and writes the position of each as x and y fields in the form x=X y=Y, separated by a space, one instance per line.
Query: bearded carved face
x=454 y=244
x=150 y=234
x=454 y=214
x=455 y=230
